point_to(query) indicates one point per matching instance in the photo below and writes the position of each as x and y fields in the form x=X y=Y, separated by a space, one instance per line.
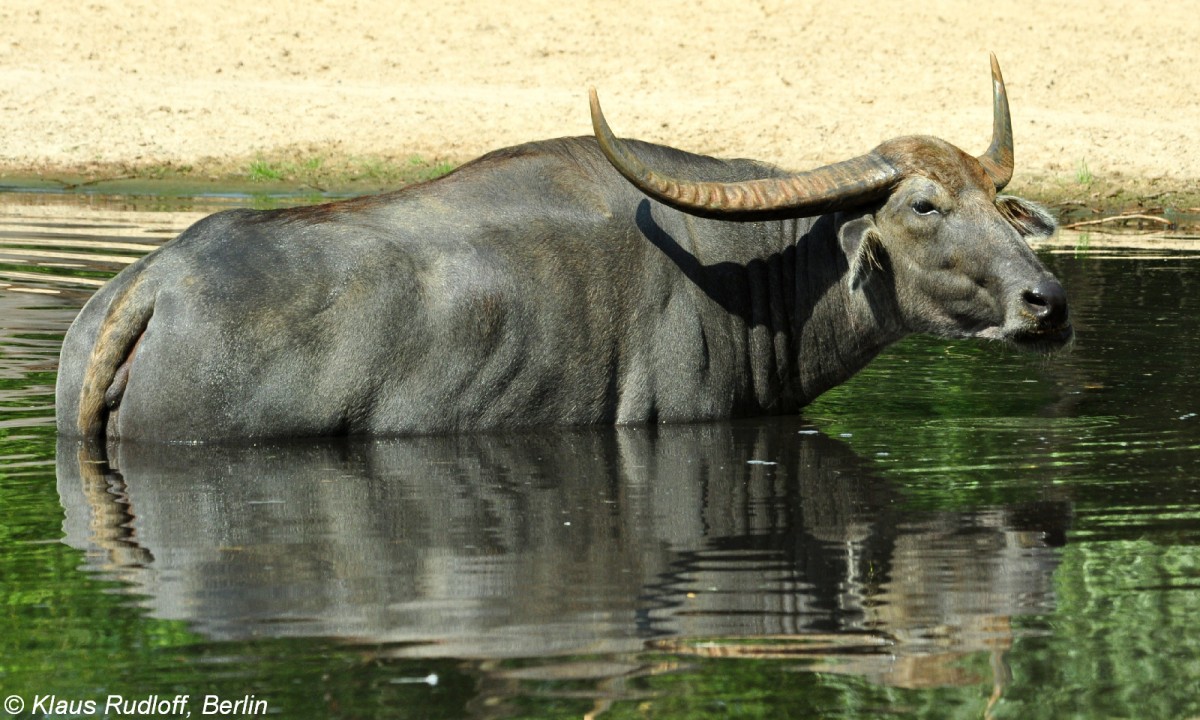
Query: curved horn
x=832 y=187
x=997 y=162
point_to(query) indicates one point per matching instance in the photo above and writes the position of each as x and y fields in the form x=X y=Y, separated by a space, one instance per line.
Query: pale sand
x=1109 y=84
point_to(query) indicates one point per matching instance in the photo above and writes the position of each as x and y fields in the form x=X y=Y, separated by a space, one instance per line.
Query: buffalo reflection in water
x=565 y=542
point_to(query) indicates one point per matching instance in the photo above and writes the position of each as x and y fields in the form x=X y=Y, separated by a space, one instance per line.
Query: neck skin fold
x=847 y=326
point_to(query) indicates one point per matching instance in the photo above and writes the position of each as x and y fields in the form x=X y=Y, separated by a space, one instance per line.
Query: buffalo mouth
x=1043 y=340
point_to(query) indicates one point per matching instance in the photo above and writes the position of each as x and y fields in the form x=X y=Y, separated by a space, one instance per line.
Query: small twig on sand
x=1119 y=218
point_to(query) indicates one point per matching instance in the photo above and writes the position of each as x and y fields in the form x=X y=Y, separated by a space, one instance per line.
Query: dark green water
x=960 y=531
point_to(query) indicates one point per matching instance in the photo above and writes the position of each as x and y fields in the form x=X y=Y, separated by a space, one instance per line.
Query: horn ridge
x=832 y=187
x=997 y=162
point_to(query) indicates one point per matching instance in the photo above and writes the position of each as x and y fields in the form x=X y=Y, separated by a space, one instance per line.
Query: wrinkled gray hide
x=535 y=286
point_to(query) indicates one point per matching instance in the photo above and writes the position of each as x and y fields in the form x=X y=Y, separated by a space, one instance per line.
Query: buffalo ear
x=861 y=243
x=1030 y=219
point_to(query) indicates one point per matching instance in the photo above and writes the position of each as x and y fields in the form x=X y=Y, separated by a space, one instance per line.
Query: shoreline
x=297 y=176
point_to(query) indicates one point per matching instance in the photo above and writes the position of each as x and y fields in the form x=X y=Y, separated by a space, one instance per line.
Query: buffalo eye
x=924 y=207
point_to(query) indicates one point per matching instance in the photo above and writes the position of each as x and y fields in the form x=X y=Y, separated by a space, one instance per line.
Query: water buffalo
x=571 y=281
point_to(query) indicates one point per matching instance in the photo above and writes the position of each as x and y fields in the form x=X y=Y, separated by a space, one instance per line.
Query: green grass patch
x=263 y=171
x=1083 y=175
x=328 y=173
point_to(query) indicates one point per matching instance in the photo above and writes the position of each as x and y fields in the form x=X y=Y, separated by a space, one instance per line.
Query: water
x=960 y=531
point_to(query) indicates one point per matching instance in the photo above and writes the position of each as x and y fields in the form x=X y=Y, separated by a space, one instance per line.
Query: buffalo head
x=920 y=223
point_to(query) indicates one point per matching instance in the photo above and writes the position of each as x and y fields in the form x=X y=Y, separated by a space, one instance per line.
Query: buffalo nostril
x=1047 y=301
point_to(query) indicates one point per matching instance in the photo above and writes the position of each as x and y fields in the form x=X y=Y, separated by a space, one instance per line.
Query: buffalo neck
x=771 y=316
x=837 y=329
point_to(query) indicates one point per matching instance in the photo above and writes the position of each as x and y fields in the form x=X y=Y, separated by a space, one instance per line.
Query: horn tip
x=594 y=102
x=594 y=107
x=996 y=69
